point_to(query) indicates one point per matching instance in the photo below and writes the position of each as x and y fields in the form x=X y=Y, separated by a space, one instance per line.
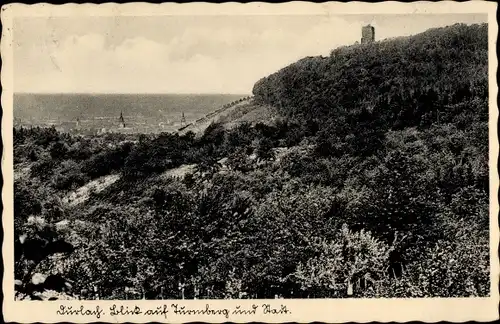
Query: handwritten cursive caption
x=173 y=310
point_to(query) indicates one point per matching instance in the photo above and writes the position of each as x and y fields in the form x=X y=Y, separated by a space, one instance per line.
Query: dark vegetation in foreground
x=374 y=179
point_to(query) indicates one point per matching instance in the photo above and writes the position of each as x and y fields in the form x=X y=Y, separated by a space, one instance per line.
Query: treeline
x=74 y=160
x=356 y=192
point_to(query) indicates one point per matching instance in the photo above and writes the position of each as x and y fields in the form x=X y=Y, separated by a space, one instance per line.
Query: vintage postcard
x=292 y=162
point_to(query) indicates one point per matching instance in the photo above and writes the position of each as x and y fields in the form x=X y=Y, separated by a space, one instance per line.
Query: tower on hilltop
x=367 y=34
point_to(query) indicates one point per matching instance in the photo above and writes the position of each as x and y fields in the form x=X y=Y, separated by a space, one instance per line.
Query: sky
x=186 y=54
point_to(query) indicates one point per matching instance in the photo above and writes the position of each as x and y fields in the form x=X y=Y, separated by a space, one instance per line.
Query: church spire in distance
x=122 y=121
x=183 y=119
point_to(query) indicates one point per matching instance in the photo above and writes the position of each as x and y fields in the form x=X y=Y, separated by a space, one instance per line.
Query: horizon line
x=131 y=93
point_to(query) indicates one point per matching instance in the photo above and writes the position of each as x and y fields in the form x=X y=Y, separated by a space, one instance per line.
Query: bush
x=341 y=262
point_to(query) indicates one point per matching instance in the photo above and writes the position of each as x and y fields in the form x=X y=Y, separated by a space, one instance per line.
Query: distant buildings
x=122 y=120
x=183 y=119
x=104 y=125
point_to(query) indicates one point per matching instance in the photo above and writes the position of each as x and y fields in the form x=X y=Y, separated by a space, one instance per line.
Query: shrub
x=341 y=262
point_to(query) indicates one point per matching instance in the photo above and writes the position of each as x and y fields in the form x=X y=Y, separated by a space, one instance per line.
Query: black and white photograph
x=248 y=156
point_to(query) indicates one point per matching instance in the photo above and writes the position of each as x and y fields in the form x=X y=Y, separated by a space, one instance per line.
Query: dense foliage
x=374 y=182
x=396 y=83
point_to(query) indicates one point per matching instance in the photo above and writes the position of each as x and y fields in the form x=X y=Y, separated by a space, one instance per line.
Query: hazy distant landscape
x=362 y=174
x=149 y=110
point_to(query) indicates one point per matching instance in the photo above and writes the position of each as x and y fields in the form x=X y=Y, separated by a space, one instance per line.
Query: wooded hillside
x=374 y=181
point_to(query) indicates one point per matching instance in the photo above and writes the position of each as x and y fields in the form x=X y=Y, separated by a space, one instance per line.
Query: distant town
x=122 y=124
x=101 y=125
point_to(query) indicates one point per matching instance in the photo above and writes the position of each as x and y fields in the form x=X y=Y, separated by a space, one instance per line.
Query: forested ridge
x=372 y=182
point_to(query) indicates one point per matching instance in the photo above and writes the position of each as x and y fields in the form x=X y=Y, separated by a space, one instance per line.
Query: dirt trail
x=81 y=194
x=218 y=115
x=179 y=172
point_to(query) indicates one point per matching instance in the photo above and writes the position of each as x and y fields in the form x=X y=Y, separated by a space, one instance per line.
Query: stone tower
x=367 y=34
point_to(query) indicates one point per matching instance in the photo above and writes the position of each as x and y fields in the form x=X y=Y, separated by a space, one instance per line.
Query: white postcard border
x=325 y=310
